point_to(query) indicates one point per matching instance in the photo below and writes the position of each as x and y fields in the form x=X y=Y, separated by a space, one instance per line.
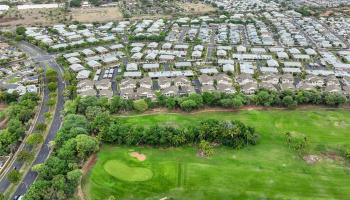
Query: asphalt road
x=43 y=59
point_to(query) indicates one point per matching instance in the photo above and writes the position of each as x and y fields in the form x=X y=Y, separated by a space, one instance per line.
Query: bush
x=188 y=105
x=14 y=176
x=52 y=86
x=289 y=102
x=140 y=105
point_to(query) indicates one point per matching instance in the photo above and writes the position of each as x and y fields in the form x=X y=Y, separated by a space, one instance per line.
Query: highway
x=43 y=59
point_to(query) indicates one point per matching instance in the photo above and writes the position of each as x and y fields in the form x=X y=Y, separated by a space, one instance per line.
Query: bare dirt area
x=85 y=169
x=96 y=14
x=333 y=156
x=327 y=13
x=38 y=17
x=311 y=159
x=89 y=163
x=3 y=106
x=138 y=156
x=197 y=8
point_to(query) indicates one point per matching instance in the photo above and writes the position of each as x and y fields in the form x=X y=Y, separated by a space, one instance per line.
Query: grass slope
x=267 y=171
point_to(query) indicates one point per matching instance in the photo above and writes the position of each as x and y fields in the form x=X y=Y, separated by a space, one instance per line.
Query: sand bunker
x=138 y=156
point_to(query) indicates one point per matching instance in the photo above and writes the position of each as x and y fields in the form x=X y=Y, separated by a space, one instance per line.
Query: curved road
x=43 y=59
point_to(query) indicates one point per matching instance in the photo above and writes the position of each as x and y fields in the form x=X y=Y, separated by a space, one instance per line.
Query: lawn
x=269 y=170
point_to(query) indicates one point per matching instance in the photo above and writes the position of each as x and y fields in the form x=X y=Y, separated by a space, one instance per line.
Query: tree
x=86 y=102
x=51 y=75
x=115 y=104
x=211 y=98
x=86 y=145
x=75 y=3
x=41 y=127
x=15 y=127
x=227 y=103
x=92 y=111
x=74 y=175
x=100 y=122
x=14 y=176
x=264 y=98
x=34 y=139
x=334 y=99
x=52 y=86
x=170 y=103
x=2 y=196
x=21 y=30
x=140 y=105
x=25 y=156
x=237 y=102
x=196 y=98
x=188 y=105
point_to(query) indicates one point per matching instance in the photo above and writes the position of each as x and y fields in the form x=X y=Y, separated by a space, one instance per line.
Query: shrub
x=140 y=105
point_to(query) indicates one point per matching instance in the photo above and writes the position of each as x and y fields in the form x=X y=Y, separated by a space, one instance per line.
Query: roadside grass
x=269 y=170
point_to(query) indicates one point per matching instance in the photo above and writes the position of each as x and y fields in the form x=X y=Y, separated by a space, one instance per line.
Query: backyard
x=269 y=170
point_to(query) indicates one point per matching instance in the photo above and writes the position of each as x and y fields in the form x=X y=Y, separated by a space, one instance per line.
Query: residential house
x=243 y=79
x=305 y=86
x=269 y=78
x=224 y=88
x=315 y=81
x=249 y=88
x=208 y=88
x=268 y=86
x=89 y=92
x=333 y=88
x=83 y=74
x=84 y=85
x=146 y=82
x=223 y=79
x=106 y=93
x=127 y=83
x=287 y=78
x=170 y=91
x=205 y=79
x=103 y=84
x=131 y=67
x=76 y=67
x=287 y=86
x=181 y=81
x=150 y=66
x=143 y=92
x=186 y=90
x=127 y=93
x=164 y=82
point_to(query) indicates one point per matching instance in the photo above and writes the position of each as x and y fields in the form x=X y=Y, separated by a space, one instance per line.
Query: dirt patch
x=3 y=123
x=311 y=159
x=96 y=14
x=3 y=106
x=197 y=8
x=327 y=13
x=85 y=169
x=15 y=17
x=89 y=164
x=333 y=156
x=138 y=156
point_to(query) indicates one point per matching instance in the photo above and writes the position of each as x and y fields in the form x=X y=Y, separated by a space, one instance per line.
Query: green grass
x=122 y=171
x=13 y=80
x=269 y=170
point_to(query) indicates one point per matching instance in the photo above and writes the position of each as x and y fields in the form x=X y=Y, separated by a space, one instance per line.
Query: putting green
x=124 y=172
